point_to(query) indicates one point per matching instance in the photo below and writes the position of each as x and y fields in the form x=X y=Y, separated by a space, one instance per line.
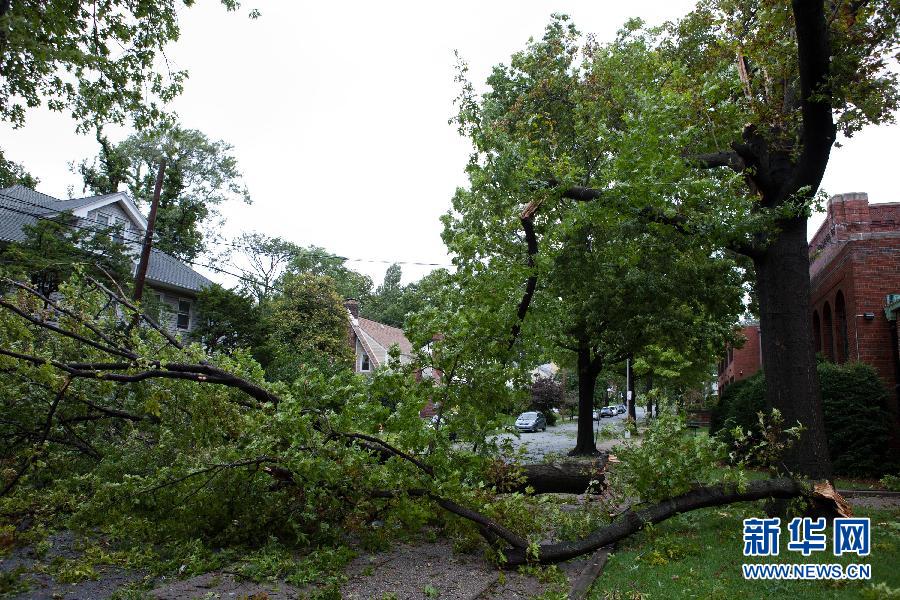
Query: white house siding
x=133 y=235
x=169 y=316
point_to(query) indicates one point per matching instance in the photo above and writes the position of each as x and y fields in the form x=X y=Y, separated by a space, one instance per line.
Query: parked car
x=620 y=409
x=608 y=411
x=596 y=415
x=531 y=421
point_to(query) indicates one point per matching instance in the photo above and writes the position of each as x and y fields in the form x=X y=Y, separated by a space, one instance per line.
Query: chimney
x=352 y=305
x=849 y=214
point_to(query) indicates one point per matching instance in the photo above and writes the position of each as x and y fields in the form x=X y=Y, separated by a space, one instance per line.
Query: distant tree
x=12 y=173
x=347 y=282
x=309 y=325
x=547 y=394
x=201 y=175
x=387 y=305
x=228 y=320
x=262 y=260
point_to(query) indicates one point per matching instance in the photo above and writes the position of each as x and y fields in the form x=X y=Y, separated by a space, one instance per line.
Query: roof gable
x=20 y=206
x=385 y=335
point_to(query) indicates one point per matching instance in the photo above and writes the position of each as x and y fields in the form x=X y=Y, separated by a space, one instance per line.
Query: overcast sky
x=338 y=115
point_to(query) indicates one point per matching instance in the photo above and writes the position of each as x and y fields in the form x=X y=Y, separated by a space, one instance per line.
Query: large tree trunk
x=587 y=382
x=630 y=396
x=563 y=478
x=789 y=363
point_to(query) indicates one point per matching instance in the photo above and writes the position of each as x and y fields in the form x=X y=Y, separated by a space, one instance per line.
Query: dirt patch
x=433 y=570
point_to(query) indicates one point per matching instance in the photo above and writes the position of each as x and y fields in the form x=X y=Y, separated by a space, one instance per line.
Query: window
x=364 y=363
x=184 y=315
x=119 y=231
x=102 y=219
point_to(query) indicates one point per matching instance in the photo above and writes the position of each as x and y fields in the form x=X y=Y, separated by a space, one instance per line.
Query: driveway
x=560 y=438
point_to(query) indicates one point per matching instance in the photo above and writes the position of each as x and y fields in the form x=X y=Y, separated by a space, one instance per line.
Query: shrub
x=546 y=394
x=853 y=403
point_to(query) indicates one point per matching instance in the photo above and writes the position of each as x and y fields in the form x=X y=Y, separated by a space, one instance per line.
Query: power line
x=159 y=238
x=214 y=268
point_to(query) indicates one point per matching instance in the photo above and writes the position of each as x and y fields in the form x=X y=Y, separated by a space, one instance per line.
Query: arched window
x=817 y=332
x=840 y=315
x=827 y=333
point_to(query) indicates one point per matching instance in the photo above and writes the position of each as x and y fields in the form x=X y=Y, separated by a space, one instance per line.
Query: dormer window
x=364 y=363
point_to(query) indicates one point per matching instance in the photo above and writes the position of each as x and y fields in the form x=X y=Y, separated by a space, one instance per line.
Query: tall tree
x=201 y=175
x=96 y=60
x=601 y=277
x=782 y=81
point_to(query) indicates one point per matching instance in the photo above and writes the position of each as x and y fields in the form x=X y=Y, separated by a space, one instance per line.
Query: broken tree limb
x=704 y=497
x=591 y=572
x=527 y=220
x=563 y=478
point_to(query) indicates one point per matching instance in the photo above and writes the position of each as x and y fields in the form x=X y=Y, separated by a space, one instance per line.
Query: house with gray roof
x=174 y=283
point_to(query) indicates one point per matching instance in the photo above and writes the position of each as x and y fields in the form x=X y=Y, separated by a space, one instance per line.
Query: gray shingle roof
x=20 y=206
x=167 y=270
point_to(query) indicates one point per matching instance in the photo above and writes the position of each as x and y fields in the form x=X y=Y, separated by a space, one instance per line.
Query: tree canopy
x=201 y=175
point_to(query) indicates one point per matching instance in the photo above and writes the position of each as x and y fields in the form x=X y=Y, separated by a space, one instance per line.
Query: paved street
x=560 y=438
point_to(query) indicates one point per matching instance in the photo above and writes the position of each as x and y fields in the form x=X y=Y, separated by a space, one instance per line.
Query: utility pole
x=141 y=274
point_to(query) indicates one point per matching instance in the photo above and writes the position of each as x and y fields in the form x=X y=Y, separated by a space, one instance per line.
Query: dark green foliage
x=230 y=320
x=546 y=394
x=739 y=404
x=12 y=173
x=53 y=249
x=853 y=402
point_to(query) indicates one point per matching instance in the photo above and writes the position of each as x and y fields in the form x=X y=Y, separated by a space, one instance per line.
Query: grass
x=699 y=555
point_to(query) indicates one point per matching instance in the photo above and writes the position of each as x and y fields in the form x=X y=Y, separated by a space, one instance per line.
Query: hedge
x=854 y=405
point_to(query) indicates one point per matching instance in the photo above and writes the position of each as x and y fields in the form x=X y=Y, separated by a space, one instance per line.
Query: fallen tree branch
x=633 y=521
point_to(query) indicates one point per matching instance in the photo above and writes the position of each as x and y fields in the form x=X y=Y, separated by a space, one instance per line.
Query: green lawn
x=699 y=555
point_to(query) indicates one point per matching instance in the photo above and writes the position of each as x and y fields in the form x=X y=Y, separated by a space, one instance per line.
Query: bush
x=853 y=403
x=854 y=400
x=546 y=394
x=739 y=404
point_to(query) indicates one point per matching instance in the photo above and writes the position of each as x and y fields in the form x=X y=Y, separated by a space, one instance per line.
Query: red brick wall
x=740 y=363
x=856 y=254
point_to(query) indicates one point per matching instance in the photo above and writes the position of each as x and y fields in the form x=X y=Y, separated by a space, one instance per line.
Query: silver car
x=531 y=421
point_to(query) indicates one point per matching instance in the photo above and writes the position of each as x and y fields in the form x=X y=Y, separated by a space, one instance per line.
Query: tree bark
x=563 y=478
x=788 y=356
x=633 y=521
x=587 y=382
x=630 y=396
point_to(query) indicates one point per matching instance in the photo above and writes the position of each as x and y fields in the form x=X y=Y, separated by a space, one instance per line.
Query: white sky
x=338 y=114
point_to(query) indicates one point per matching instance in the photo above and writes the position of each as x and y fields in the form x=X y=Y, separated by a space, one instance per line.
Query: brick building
x=855 y=278
x=855 y=293
x=740 y=363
